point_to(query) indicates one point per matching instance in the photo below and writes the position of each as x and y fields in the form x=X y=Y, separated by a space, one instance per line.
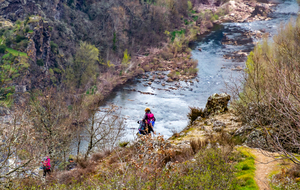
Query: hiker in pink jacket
x=149 y=120
x=46 y=166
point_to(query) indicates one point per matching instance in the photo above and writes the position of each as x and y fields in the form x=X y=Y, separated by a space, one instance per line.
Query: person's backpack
x=46 y=163
x=150 y=117
x=142 y=125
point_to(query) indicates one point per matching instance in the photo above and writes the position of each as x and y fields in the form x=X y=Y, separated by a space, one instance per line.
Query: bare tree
x=51 y=119
x=270 y=98
x=18 y=149
x=105 y=129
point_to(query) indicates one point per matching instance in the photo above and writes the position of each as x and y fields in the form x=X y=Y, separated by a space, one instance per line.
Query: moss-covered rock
x=217 y=103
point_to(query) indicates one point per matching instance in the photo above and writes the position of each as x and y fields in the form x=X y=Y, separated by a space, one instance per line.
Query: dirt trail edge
x=264 y=165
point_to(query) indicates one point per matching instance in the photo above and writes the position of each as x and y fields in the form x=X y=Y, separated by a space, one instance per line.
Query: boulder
x=217 y=103
x=261 y=9
x=217 y=129
x=243 y=130
x=219 y=124
x=256 y=139
x=169 y=80
x=207 y=122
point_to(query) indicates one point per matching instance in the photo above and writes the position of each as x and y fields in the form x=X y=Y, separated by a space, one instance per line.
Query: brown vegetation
x=269 y=99
x=154 y=163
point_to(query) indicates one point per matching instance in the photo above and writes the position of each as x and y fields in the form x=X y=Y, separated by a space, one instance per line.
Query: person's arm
x=145 y=118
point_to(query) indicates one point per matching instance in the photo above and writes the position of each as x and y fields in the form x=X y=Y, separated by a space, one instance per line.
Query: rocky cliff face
x=42 y=17
x=19 y=9
x=39 y=43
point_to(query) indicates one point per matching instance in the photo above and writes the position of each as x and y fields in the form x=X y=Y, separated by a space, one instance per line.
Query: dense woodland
x=79 y=46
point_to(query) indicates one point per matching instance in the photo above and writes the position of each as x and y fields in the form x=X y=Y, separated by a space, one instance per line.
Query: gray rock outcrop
x=217 y=103
x=256 y=139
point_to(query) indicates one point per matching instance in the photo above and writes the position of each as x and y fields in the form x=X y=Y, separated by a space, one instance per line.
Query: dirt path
x=264 y=165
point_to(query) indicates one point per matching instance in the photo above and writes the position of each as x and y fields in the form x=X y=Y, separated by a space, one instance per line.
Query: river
x=170 y=107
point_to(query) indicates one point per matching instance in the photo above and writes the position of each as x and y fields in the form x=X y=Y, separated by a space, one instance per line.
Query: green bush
x=27 y=29
x=245 y=167
x=57 y=70
x=54 y=47
x=18 y=22
x=245 y=170
x=123 y=144
x=192 y=71
x=177 y=33
x=8 y=42
x=216 y=17
x=2 y=48
x=19 y=38
x=186 y=22
x=2 y=31
x=190 y=5
x=24 y=43
x=209 y=171
x=40 y=62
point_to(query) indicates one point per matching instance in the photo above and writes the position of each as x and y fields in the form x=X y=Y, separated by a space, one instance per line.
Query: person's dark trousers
x=143 y=132
x=150 y=129
x=46 y=171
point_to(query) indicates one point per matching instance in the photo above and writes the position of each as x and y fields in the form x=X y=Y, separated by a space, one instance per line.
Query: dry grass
x=195 y=112
x=198 y=144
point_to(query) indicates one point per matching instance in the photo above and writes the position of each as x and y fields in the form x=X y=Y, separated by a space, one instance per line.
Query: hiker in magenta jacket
x=149 y=119
x=46 y=166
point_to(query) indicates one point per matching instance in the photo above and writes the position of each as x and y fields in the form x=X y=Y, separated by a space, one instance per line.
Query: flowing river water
x=170 y=103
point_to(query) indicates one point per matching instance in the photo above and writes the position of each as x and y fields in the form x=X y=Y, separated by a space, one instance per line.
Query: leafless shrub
x=286 y=179
x=175 y=133
x=166 y=54
x=113 y=159
x=270 y=96
x=104 y=131
x=100 y=155
x=195 y=113
x=294 y=172
x=18 y=149
x=74 y=176
x=82 y=163
x=78 y=174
